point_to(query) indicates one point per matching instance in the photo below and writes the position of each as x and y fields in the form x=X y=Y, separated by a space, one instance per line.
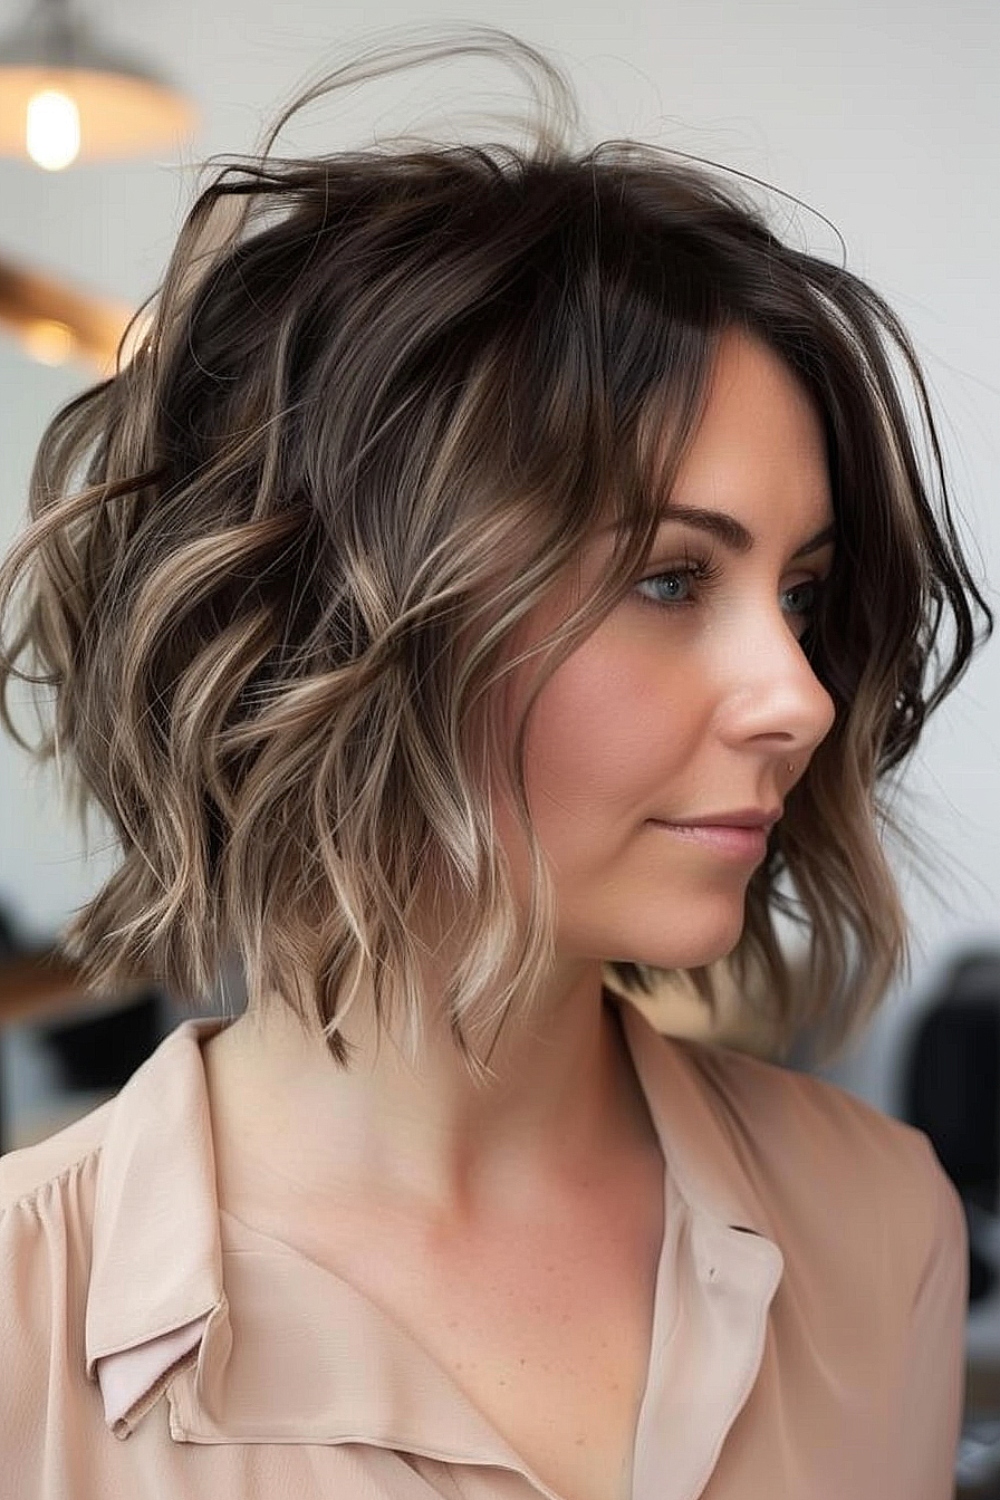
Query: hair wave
x=276 y=564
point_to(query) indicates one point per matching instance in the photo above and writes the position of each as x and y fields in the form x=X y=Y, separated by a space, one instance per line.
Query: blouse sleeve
x=28 y=1339
x=46 y=1401
x=932 y=1393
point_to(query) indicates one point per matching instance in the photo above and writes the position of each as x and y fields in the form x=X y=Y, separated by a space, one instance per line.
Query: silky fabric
x=807 y=1336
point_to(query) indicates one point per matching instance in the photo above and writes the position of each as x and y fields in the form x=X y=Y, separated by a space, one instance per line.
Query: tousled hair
x=276 y=563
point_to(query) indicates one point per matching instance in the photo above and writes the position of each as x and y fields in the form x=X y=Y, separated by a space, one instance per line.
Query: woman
x=492 y=565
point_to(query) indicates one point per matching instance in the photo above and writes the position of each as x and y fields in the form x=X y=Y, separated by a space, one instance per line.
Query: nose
x=777 y=701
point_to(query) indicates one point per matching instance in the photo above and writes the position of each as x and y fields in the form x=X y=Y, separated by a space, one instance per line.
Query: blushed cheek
x=605 y=733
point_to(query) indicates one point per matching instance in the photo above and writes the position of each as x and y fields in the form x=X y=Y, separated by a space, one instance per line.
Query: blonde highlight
x=277 y=566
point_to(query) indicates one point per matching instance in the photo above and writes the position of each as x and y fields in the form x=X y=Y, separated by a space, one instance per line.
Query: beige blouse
x=807 y=1341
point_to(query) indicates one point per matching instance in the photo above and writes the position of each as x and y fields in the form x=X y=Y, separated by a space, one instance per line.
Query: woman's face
x=692 y=697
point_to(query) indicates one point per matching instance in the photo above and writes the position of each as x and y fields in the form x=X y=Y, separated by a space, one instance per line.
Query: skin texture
x=669 y=711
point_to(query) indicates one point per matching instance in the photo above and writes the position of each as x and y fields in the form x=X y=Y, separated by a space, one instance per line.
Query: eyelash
x=705 y=573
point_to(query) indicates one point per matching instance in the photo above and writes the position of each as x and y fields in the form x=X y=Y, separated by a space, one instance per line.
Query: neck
x=424 y=1138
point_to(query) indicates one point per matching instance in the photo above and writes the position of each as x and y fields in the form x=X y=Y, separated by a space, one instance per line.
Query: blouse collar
x=252 y=1342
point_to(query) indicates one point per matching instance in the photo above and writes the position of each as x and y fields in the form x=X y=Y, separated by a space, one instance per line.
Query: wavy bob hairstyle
x=276 y=564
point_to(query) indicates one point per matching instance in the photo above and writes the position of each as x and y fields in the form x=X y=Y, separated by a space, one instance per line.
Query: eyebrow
x=733 y=534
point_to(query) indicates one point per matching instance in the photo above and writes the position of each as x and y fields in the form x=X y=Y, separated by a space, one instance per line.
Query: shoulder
x=807 y=1140
x=47 y=1196
x=767 y=1100
x=32 y=1170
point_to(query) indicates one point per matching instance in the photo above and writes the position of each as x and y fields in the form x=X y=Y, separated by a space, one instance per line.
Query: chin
x=694 y=946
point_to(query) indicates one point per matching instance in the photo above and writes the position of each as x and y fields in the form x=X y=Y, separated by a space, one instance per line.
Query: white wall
x=882 y=116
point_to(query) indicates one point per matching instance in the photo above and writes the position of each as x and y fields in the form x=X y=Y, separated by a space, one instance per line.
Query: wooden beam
x=39 y=985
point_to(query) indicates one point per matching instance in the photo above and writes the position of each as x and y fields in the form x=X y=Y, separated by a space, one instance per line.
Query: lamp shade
x=55 y=322
x=124 y=108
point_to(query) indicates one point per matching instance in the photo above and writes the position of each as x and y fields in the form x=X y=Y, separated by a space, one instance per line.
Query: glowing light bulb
x=53 y=129
x=49 y=342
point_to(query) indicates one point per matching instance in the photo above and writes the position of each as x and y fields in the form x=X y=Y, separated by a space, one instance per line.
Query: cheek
x=608 y=729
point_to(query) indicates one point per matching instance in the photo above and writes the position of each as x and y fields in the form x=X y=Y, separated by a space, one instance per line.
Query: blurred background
x=882 y=117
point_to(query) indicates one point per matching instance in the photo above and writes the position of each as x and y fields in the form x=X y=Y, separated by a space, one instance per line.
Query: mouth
x=726 y=840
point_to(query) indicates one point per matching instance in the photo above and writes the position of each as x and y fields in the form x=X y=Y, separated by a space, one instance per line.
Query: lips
x=745 y=843
x=744 y=817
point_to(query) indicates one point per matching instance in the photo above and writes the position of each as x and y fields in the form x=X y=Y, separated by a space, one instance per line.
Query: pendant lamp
x=55 y=321
x=66 y=95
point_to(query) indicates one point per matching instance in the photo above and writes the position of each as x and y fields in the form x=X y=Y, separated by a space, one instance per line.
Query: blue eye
x=669 y=588
x=665 y=584
x=812 y=588
x=686 y=584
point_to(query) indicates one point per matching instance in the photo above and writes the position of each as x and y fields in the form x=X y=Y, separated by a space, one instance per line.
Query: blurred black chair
x=93 y=1044
x=10 y=945
x=101 y=1052
x=950 y=1089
